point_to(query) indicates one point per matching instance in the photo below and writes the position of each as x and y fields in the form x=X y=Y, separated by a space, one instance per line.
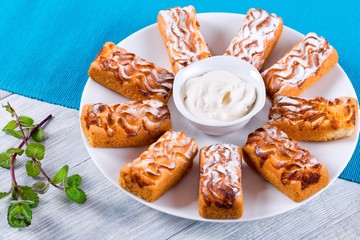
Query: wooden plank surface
x=111 y=214
x=4 y=94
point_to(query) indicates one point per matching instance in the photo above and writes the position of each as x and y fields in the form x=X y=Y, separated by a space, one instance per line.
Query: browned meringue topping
x=220 y=176
x=297 y=65
x=162 y=156
x=294 y=162
x=184 y=39
x=130 y=116
x=149 y=78
x=314 y=111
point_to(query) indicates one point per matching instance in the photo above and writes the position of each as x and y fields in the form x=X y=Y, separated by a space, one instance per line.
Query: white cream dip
x=218 y=95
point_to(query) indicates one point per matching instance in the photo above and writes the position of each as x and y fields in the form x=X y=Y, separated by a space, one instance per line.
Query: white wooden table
x=111 y=214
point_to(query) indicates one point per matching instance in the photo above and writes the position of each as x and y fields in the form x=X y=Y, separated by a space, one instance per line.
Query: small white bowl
x=238 y=67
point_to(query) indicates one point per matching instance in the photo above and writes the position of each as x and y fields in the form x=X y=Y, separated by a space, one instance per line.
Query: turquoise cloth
x=47 y=46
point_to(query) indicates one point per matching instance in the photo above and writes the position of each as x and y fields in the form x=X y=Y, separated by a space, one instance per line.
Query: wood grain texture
x=110 y=214
x=4 y=94
x=320 y=217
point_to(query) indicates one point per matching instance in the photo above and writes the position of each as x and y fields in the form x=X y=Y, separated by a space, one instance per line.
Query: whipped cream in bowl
x=220 y=94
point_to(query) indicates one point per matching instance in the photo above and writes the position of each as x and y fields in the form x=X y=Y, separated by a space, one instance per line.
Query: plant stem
x=13 y=157
x=45 y=175
x=25 y=138
x=12 y=173
x=40 y=125
x=33 y=159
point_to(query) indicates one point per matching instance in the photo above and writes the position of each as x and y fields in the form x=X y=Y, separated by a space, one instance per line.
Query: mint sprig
x=27 y=193
x=41 y=187
x=61 y=175
x=76 y=195
x=4 y=194
x=6 y=156
x=35 y=150
x=38 y=135
x=32 y=169
x=24 y=198
x=73 y=191
x=19 y=215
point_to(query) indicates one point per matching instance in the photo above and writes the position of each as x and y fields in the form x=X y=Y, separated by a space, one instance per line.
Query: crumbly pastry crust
x=220 y=185
x=314 y=119
x=134 y=123
x=180 y=31
x=284 y=164
x=130 y=75
x=160 y=167
x=257 y=37
x=301 y=67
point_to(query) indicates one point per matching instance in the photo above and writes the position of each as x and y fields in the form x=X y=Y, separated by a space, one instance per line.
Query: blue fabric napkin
x=47 y=46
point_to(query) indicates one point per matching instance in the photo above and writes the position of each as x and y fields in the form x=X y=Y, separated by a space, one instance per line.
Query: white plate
x=260 y=198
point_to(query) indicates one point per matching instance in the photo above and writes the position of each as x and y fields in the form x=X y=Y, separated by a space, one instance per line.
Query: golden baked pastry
x=314 y=119
x=134 y=123
x=220 y=190
x=301 y=67
x=160 y=167
x=284 y=164
x=130 y=75
x=180 y=31
x=257 y=37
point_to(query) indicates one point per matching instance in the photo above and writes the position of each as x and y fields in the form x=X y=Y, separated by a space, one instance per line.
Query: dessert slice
x=180 y=31
x=314 y=119
x=257 y=37
x=220 y=190
x=130 y=75
x=135 y=123
x=284 y=164
x=160 y=167
x=301 y=67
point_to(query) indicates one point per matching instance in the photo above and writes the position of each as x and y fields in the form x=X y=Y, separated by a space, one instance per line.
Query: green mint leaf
x=5 y=160
x=5 y=164
x=61 y=175
x=5 y=156
x=76 y=195
x=26 y=121
x=40 y=187
x=4 y=194
x=27 y=193
x=31 y=169
x=74 y=180
x=13 y=133
x=19 y=215
x=35 y=150
x=10 y=125
x=37 y=135
x=9 y=109
x=19 y=151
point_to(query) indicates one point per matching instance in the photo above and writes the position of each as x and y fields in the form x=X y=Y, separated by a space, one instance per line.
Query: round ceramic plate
x=261 y=199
